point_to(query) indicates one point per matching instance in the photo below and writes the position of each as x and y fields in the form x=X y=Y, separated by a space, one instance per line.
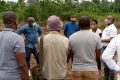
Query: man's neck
x=94 y=30
x=72 y=21
x=54 y=31
x=110 y=24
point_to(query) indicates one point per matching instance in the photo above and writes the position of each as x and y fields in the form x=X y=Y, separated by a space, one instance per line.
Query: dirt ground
x=101 y=75
x=62 y=32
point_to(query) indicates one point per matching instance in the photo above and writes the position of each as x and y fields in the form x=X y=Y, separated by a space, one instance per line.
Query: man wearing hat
x=55 y=48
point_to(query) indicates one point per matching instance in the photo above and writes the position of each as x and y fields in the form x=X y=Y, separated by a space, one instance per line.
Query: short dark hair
x=95 y=21
x=73 y=16
x=84 y=22
x=9 y=17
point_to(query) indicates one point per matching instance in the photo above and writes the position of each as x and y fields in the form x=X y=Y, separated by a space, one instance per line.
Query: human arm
x=107 y=39
x=65 y=30
x=20 y=57
x=39 y=31
x=70 y=54
x=108 y=55
x=112 y=34
x=98 y=53
x=21 y=30
x=22 y=65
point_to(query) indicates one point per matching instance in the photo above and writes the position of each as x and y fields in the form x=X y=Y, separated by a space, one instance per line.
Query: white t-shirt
x=108 y=32
x=110 y=52
x=98 y=31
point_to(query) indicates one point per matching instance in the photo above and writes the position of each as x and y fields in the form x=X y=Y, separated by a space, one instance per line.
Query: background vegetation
x=42 y=9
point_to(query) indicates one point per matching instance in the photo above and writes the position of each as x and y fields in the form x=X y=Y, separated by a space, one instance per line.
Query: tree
x=21 y=1
x=96 y=1
x=117 y=1
x=32 y=1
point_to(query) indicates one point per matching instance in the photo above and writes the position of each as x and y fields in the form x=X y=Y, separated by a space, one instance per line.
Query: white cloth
x=108 y=54
x=108 y=32
x=55 y=56
x=98 y=31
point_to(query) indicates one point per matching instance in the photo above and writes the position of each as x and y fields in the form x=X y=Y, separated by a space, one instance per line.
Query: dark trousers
x=108 y=74
x=28 y=56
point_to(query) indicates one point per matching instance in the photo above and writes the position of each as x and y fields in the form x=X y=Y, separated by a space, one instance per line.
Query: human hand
x=118 y=72
x=69 y=75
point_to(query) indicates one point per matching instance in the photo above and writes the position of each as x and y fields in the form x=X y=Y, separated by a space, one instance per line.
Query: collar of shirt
x=8 y=29
x=54 y=32
x=110 y=25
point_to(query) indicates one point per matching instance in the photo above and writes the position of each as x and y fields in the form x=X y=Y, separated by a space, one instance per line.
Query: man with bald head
x=31 y=32
x=108 y=33
x=86 y=52
x=12 y=51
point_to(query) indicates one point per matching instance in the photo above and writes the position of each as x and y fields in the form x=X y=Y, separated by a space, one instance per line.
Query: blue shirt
x=71 y=28
x=10 y=43
x=31 y=34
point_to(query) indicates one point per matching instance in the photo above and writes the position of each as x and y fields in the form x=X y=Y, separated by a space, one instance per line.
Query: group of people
x=84 y=44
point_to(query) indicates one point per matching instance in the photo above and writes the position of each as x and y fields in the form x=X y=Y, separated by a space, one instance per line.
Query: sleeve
x=78 y=27
x=99 y=45
x=108 y=54
x=39 y=40
x=113 y=33
x=65 y=29
x=19 y=45
x=40 y=31
x=21 y=30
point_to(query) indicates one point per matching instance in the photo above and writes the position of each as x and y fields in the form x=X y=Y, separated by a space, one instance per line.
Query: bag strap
x=41 y=55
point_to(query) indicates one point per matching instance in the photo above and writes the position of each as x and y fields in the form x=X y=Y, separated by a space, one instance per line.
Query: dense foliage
x=42 y=9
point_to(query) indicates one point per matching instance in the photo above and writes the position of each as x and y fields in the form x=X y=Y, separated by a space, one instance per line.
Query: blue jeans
x=28 y=56
x=108 y=74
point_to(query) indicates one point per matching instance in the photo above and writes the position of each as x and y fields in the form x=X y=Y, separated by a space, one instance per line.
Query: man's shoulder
x=95 y=35
x=98 y=29
x=64 y=37
x=37 y=24
x=15 y=35
x=74 y=35
x=112 y=26
x=25 y=26
x=67 y=23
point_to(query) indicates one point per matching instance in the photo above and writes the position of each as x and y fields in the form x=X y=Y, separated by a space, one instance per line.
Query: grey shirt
x=83 y=44
x=10 y=43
